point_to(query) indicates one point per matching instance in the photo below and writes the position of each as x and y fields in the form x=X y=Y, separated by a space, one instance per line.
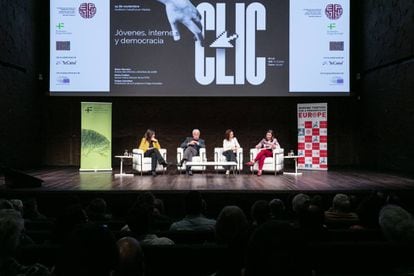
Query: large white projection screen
x=200 y=48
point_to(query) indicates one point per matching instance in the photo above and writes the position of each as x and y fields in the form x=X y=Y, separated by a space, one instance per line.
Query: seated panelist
x=267 y=145
x=151 y=148
x=230 y=147
x=191 y=146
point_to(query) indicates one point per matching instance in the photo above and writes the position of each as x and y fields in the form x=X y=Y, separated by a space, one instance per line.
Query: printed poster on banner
x=96 y=136
x=313 y=136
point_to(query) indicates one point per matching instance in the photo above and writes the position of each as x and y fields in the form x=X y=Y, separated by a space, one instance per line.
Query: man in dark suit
x=192 y=146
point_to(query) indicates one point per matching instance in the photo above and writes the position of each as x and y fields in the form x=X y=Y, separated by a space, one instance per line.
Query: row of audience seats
x=40 y=236
x=324 y=258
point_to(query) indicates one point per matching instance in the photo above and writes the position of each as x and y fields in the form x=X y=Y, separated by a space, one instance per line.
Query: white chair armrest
x=203 y=154
x=180 y=154
x=279 y=151
x=137 y=151
x=217 y=152
x=164 y=153
x=278 y=157
x=138 y=156
x=253 y=153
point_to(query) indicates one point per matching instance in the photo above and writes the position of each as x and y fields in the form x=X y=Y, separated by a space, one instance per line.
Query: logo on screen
x=337 y=80
x=334 y=62
x=336 y=46
x=66 y=11
x=332 y=26
x=333 y=11
x=63 y=80
x=60 y=25
x=62 y=45
x=249 y=19
x=66 y=62
x=87 y=10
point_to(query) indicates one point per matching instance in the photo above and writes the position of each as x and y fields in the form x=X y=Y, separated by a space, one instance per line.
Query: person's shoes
x=165 y=164
x=182 y=162
x=259 y=173
x=227 y=172
x=250 y=163
x=190 y=173
x=154 y=174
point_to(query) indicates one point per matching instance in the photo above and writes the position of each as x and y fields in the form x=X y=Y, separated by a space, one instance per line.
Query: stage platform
x=70 y=179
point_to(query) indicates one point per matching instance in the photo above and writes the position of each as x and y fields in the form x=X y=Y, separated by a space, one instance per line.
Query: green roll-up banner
x=96 y=136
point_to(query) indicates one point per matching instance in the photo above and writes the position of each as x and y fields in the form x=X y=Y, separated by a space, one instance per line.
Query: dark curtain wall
x=174 y=118
x=20 y=104
x=387 y=96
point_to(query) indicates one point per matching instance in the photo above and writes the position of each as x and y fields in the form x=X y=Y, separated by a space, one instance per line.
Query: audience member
x=317 y=201
x=161 y=221
x=276 y=248
x=300 y=203
x=5 y=204
x=97 y=210
x=159 y=206
x=141 y=224
x=145 y=200
x=394 y=199
x=231 y=225
x=232 y=230
x=300 y=206
x=340 y=215
x=277 y=209
x=368 y=211
x=31 y=211
x=260 y=212
x=11 y=229
x=17 y=205
x=397 y=224
x=194 y=219
x=131 y=258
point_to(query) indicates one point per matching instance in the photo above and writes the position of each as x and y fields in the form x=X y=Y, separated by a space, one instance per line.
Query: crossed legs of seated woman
x=267 y=144
x=260 y=158
x=156 y=158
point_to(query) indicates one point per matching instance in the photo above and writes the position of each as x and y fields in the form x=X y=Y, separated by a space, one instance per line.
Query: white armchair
x=271 y=164
x=201 y=157
x=219 y=157
x=142 y=164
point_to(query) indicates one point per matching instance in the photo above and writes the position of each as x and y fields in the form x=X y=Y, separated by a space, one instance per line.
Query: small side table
x=121 y=169
x=294 y=157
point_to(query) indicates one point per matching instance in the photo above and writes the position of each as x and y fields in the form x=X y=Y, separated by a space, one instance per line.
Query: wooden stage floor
x=70 y=179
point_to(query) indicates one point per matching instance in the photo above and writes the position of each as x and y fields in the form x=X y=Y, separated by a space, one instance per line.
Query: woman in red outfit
x=267 y=145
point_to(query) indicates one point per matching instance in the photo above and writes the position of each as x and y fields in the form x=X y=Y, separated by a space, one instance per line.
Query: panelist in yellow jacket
x=151 y=148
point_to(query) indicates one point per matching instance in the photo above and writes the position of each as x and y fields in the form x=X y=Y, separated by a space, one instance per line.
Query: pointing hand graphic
x=184 y=12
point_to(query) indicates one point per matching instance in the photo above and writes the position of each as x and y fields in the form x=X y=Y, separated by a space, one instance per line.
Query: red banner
x=313 y=136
